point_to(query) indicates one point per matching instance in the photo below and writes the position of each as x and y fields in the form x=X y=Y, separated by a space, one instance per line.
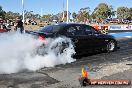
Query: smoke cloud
x=23 y=51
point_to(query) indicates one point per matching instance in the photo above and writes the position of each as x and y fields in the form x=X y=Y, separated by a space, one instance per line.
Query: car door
x=97 y=38
x=76 y=33
x=88 y=38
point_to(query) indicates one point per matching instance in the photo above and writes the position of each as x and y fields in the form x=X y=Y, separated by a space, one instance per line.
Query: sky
x=55 y=6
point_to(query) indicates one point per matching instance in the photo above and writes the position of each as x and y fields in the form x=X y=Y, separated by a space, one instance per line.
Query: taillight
x=41 y=37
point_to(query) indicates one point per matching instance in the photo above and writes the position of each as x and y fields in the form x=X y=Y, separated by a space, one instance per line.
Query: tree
x=123 y=13
x=59 y=15
x=11 y=15
x=74 y=15
x=29 y=14
x=63 y=16
x=111 y=12
x=103 y=11
x=83 y=14
x=2 y=13
x=130 y=11
x=47 y=18
x=37 y=16
x=55 y=18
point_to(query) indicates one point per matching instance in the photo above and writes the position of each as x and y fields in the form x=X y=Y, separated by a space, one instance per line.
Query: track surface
x=66 y=76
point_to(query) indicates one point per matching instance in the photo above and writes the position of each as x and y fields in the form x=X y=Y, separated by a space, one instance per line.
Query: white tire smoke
x=19 y=52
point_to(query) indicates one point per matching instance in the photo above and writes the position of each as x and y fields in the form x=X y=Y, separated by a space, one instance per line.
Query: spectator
x=15 y=26
x=20 y=26
x=4 y=27
x=8 y=26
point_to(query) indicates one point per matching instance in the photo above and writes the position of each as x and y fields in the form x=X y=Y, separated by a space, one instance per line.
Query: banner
x=120 y=27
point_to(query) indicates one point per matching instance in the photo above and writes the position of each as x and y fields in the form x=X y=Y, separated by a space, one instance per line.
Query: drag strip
x=67 y=75
x=124 y=51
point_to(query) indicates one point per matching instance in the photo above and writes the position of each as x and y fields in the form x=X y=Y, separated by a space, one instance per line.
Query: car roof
x=62 y=25
x=66 y=24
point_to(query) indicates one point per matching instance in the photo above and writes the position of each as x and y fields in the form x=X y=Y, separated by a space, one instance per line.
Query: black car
x=85 y=38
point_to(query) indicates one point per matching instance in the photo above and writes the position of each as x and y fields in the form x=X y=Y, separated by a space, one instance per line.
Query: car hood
x=108 y=36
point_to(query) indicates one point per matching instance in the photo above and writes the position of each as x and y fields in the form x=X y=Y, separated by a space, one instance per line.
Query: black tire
x=60 y=47
x=111 y=46
x=41 y=50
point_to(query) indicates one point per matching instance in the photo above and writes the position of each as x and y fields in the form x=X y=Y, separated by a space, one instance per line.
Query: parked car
x=3 y=30
x=85 y=38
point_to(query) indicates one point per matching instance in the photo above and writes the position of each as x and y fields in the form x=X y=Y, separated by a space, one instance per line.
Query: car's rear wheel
x=111 y=46
x=41 y=50
x=59 y=47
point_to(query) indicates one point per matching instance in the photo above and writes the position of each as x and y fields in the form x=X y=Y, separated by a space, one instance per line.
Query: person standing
x=20 y=26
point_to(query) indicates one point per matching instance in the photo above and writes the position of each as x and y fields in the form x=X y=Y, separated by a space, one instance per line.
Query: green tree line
x=101 y=12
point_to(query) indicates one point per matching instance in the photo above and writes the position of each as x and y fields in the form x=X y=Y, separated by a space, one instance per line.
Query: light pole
x=63 y=12
x=23 y=11
x=41 y=12
x=67 y=12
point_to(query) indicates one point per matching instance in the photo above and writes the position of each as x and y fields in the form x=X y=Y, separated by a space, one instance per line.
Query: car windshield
x=51 y=29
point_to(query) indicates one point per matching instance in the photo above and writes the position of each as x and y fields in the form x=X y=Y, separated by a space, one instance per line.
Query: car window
x=94 y=30
x=46 y=29
x=56 y=28
x=89 y=30
x=51 y=29
x=71 y=29
x=75 y=30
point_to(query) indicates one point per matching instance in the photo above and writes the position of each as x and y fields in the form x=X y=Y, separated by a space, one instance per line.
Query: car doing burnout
x=85 y=38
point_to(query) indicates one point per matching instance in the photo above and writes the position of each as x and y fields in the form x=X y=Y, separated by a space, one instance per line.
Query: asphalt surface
x=115 y=65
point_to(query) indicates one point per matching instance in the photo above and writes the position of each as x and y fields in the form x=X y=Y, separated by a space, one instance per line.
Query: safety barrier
x=120 y=27
x=104 y=29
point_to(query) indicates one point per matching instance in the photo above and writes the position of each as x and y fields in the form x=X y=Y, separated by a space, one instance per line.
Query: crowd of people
x=7 y=25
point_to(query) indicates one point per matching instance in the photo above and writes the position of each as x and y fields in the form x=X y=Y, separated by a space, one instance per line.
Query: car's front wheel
x=111 y=46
